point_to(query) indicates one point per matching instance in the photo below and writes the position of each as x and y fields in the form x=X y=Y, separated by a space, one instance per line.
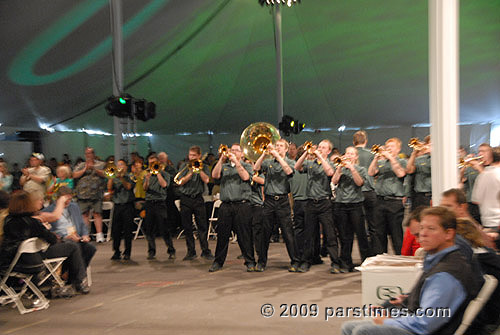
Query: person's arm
x=358 y=180
x=373 y=169
x=398 y=170
x=440 y=290
x=242 y=172
x=163 y=183
x=258 y=164
x=410 y=166
x=217 y=169
x=325 y=164
x=57 y=212
x=258 y=180
x=300 y=161
x=79 y=172
x=478 y=190
x=284 y=165
x=110 y=185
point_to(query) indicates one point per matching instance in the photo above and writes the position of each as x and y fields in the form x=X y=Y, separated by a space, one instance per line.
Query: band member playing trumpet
x=191 y=186
x=277 y=171
x=235 y=213
x=350 y=177
x=155 y=184
x=319 y=207
x=420 y=165
x=390 y=172
x=123 y=213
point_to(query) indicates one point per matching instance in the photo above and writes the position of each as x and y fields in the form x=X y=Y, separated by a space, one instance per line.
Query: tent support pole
x=443 y=93
x=279 y=60
x=120 y=125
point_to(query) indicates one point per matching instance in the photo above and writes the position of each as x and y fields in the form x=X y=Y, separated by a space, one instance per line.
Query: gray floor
x=177 y=297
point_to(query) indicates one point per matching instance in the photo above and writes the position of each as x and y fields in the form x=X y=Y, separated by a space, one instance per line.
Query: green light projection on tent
x=21 y=69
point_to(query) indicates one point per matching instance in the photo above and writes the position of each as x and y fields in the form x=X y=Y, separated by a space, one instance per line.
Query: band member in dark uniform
x=191 y=183
x=235 y=213
x=155 y=184
x=277 y=171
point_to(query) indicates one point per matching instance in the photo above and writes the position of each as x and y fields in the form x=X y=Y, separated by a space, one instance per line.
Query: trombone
x=195 y=165
x=463 y=162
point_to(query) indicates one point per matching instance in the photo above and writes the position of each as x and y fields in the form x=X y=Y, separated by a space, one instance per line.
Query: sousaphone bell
x=256 y=138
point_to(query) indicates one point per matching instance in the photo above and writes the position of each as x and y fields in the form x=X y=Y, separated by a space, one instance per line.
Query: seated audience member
x=446 y=282
x=455 y=200
x=489 y=317
x=20 y=225
x=6 y=178
x=410 y=240
x=4 y=210
x=70 y=225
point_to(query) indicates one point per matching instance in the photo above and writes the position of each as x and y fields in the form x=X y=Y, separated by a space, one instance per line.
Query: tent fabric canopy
x=209 y=65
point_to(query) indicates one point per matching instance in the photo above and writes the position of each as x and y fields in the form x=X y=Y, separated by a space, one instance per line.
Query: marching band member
x=390 y=172
x=420 y=165
x=235 y=212
x=124 y=211
x=319 y=207
x=155 y=184
x=350 y=178
x=191 y=187
x=365 y=157
x=277 y=171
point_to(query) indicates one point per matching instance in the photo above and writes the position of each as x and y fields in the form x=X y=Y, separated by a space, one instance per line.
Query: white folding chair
x=29 y=246
x=475 y=306
x=106 y=206
x=213 y=218
x=138 y=222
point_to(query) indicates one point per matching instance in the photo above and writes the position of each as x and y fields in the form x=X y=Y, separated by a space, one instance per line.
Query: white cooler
x=396 y=276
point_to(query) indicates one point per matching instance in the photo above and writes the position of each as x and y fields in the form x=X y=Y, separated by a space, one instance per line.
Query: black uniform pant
x=123 y=226
x=350 y=220
x=389 y=219
x=236 y=217
x=277 y=207
x=257 y=220
x=319 y=212
x=196 y=206
x=369 y=206
x=421 y=199
x=299 y=213
x=156 y=222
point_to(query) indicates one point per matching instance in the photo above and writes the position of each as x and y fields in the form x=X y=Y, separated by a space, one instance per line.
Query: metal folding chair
x=29 y=246
x=213 y=218
x=106 y=206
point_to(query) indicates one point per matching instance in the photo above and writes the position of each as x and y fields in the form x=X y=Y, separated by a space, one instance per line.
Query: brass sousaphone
x=256 y=138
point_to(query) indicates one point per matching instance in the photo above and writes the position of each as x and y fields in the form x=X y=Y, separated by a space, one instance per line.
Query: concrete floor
x=177 y=297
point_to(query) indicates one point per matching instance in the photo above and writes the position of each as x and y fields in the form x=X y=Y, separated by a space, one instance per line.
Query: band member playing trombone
x=277 y=171
x=123 y=213
x=420 y=165
x=191 y=181
x=350 y=177
x=319 y=207
x=235 y=213
x=390 y=172
x=155 y=184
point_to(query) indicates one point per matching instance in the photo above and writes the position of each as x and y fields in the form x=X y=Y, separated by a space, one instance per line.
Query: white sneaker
x=99 y=238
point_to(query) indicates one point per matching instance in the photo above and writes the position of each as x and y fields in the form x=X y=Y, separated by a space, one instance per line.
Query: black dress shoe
x=251 y=267
x=126 y=257
x=304 y=267
x=189 y=257
x=208 y=256
x=171 y=255
x=215 y=267
x=116 y=256
x=259 y=268
x=335 y=269
x=82 y=287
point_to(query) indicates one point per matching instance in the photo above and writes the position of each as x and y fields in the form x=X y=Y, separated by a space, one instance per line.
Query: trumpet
x=377 y=149
x=155 y=167
x=415 y=144
x=463 y=162
x=111 y=170
x=223 y=150
x=339 y=161
x=308 y=147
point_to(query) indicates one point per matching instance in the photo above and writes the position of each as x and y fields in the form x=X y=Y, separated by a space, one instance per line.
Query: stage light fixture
x=120 y=106
x=144 y=110
x=290 y=125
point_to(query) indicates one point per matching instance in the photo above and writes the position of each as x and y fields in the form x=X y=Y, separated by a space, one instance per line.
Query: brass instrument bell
x=256 y=138
x=111 y=169
x=415 y=144
x=463 y=162
x=376 y=149
x=223 y=150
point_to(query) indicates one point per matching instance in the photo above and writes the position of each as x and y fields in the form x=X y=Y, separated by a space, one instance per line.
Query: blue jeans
x=367 y=327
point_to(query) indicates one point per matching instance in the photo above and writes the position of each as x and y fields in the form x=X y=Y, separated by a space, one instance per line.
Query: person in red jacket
x=410 y=239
